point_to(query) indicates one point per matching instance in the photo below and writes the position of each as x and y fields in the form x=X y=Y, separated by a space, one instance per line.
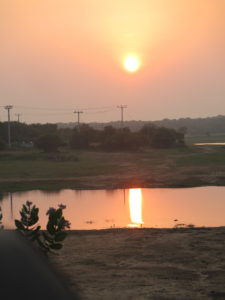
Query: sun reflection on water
x=135 y=205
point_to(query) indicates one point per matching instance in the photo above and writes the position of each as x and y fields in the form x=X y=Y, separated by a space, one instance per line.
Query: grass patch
x=216 y=157
x=149 y=167
x=50 y=166
x=37 y=156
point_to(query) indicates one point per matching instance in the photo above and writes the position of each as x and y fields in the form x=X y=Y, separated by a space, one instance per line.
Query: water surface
x=203 y=206
x=210 y=144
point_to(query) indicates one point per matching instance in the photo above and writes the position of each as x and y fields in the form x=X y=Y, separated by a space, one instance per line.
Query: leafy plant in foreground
x=27 y=225
x=55 y=230
x=48 y=240
x=1 y=226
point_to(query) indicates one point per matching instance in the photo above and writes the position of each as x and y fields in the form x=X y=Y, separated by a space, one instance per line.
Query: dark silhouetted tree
x=49 y=142
x=164 y=138
x=2 y=145
x=82 y=137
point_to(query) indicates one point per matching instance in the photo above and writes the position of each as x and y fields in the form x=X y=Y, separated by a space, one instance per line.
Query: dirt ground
x=158 y=264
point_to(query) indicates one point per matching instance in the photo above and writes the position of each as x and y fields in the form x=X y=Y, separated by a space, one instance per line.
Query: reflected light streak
x=135 y=204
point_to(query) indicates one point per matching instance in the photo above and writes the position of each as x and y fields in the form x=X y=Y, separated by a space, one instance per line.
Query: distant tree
x=183 y=129
x=21 y=132
x=82 y=137
x=4 y=131
x=147 y=132
x=179 y=138
x=108 y=131
x=49 y=142
x=2 y=145
x=164 y=138
x=121 y=139
x=65 y=134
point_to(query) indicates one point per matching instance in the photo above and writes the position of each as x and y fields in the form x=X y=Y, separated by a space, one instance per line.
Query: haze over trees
x=165 y=133
x=189 y=126
x=49 y=138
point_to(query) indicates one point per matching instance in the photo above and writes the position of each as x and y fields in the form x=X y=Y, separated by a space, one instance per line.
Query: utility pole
x=18 y=117
x=8 y=107
x=78 y=112
x=122 y=108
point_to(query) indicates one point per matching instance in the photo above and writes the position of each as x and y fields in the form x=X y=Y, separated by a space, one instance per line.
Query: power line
x=122 y=108
x=102 y=107
x=65 y=113
x=47 y=111
x=78 y=112
x=18 y=117
x=130 y=116
x=42 y=108
x=62 y=109
x=8 y=107
x=46 y=114
x=99 y=111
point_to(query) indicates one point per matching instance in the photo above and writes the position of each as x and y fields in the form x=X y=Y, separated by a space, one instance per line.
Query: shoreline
x=118 y=230
x=102 y=183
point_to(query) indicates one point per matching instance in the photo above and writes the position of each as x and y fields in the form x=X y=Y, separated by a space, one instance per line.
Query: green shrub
x=2 y=145
x=49 y=142
x=49 y=240
x=1 y=226
x=27 y=224
x=55 y=230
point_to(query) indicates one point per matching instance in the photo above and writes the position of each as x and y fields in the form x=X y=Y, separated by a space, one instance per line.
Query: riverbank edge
x=142 y=229
x=102 y=182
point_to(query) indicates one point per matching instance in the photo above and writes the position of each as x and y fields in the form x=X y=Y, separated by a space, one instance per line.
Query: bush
x=1 y=226
x=49 y=142
x=122 y=139
x=164 y=138
x=2 y=145
x=49 y=240
x=82 y=137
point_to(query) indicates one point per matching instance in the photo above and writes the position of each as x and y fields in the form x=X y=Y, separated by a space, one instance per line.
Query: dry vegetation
x=181 y=167
x=157 y=264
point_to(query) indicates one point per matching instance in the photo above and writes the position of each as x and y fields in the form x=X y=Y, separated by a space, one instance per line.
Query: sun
x=131 y=63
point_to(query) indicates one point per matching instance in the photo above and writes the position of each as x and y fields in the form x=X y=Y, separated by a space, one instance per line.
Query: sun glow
x=135 y=204
x=131 y=63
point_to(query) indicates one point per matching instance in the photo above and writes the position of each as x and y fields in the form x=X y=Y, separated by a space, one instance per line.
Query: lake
x=98 y=209
x=210 y=144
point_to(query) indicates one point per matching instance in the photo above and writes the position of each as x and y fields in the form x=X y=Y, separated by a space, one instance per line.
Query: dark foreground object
x=25 y=274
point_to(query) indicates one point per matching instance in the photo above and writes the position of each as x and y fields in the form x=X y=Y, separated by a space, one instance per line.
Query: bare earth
x=159 y=264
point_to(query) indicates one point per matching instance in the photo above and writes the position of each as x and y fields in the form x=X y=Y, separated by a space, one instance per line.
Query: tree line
x=191 y=126
x=48 y=137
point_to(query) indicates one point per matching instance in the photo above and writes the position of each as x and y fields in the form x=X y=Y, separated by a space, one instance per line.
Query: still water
x=87 y=209
x=210 y=144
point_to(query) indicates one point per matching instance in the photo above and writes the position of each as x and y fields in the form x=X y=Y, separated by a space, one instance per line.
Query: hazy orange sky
x=61 y=55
